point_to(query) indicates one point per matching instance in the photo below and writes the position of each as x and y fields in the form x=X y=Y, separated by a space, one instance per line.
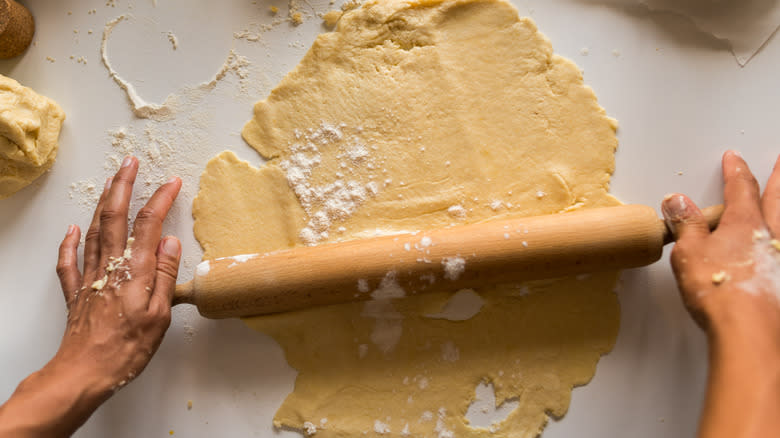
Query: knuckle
x=92 y=233
x=746 y=177
x=168 y=267
x=63 y=268
x=146 y=214
x=108 y=214
x=164 y=317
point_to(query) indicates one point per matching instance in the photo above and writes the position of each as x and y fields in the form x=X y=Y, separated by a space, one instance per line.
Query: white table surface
x=679 y=95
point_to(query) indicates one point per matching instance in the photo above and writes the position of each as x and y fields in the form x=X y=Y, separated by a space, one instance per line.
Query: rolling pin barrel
x=438 y=260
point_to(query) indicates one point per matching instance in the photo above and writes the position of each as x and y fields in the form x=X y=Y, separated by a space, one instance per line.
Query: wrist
x=743 y=328
x=54 y=401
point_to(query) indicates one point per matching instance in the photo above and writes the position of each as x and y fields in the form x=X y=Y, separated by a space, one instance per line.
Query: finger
x=684 y=218
x=67 y=263
x=770 y=202
x=92 y=240
x=113 y=217
x=147 y=227
x=166 y=272
x=740 y=193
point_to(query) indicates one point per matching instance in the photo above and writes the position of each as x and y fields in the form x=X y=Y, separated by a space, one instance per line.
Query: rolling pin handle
x=184 y=293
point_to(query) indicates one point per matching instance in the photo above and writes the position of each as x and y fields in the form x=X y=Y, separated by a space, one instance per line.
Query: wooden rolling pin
x=464 y=256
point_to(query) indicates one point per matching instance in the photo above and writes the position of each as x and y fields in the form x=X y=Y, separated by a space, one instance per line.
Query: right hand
x=728 y=278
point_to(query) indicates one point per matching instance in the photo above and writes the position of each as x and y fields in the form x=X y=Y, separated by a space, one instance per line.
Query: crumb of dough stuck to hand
x=719 y=277
x=775 y=244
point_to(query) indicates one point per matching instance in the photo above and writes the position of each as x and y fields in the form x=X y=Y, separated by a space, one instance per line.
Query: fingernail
x=674 y=207
x=71 y=229
x=173 y=179
x=128 y=161
x=171 y=246
x=109 y=181
x=733 y=152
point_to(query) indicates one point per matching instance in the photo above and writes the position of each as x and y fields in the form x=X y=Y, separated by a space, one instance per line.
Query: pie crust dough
x=413 y=115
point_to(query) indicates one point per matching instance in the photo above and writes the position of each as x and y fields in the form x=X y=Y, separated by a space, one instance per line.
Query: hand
x=728 y=273
x=119 y=308
x=730 y=281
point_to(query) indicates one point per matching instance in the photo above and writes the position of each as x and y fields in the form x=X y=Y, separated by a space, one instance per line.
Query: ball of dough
x=29 y=128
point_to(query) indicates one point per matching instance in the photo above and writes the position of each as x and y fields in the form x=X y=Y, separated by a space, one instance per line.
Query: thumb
x=683 y=217
x=167 y=270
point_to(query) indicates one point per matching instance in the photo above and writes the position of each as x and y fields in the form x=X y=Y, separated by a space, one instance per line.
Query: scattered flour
x=381 y=428
x=450 y=352
x=239 y=259
x=362 y=285
x=441 y=425
x=330 y=202
x=457 y=212
x=203 y=268
x=309 y=428
x=141 y=108
x=388 y=288
x=453 y=267
x=766 y=267
x=388 y=322
x=463 y=305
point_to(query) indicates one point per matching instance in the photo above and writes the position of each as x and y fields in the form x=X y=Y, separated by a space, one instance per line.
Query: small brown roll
x=17 y=28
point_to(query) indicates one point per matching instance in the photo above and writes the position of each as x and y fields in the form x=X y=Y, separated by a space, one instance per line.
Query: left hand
x=119 y=308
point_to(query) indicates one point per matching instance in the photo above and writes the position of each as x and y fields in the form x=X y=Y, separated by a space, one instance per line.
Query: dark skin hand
x=115 y=325
x=728 y=281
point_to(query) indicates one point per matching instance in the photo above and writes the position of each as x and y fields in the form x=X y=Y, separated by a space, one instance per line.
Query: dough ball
x=29 y=128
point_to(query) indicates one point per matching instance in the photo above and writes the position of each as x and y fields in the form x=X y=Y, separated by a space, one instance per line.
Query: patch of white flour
x=331 y=202
x=453 y=267
x=766 y=267
x=388 y=322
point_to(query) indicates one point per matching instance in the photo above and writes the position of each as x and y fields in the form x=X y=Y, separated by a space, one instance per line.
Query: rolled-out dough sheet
x=413 y=115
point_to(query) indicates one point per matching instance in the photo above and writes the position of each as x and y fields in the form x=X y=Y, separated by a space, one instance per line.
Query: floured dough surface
x=29 y=128
x=414 y=115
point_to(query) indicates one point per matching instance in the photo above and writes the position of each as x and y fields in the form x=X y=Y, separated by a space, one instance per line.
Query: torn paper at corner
x=745 y=24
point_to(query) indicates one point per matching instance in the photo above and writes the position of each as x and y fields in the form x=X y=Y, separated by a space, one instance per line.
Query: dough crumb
x=173 y=40
x=719 y=277
x=331 y=18
x=296 y=18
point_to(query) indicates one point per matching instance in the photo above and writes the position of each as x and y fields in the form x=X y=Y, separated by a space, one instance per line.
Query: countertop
x=678 y=93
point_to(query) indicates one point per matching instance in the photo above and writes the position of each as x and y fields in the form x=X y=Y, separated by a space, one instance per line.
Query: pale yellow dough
x=29 y=128
x=413 y=115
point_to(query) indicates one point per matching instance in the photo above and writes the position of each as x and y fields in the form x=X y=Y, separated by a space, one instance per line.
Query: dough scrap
x=413 y=115
x=29 y=128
